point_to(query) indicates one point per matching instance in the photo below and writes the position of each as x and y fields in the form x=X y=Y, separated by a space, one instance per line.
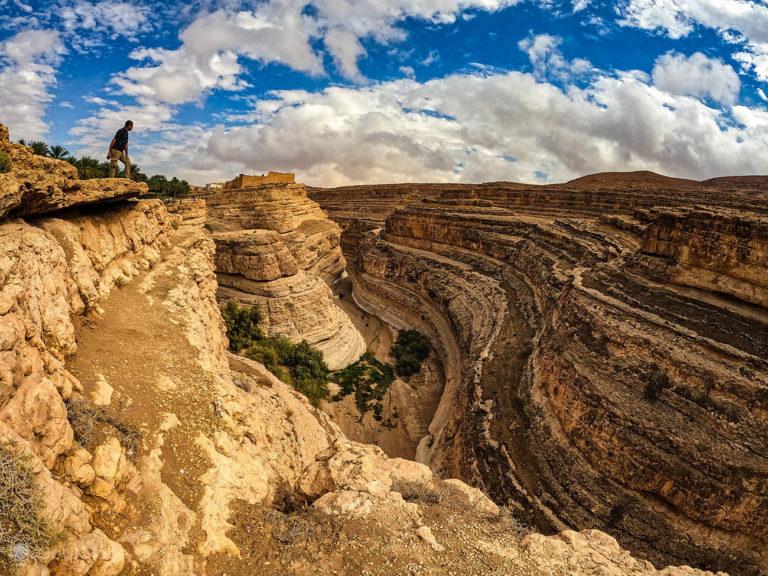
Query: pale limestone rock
x=353 y=466
x=233 y=475
x=79 y=468
x=92 y=555
x=589 y=552
x=279 y=207
x=474 y=497
x=106 y=459
x=102 y=393
x=425 y=533
x=276 y=250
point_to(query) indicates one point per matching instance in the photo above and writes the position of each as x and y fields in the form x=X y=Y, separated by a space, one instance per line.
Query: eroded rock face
x=38 y=185
x=51 y=270
x=276 y=250
x=596 y=376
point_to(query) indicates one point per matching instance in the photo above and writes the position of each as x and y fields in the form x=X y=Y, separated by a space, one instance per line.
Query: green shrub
x=409 y=350
x=299 y=365
x=24 y=533
x=5 y=162
x=242 y=325
x=368 y=379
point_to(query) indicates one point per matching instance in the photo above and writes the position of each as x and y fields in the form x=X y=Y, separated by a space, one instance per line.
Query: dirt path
x=141 y=351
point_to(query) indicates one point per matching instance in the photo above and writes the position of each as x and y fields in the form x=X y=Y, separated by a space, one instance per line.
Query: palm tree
x=59 y=152
x=40 y=148
x=88 y=167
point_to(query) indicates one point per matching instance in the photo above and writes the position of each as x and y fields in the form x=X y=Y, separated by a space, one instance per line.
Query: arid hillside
x=604 y=343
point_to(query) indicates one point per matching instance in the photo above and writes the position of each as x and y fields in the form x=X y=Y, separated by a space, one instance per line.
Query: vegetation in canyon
x=299 y=365
x=368 y=379
x=302 y=366
x=409 y=350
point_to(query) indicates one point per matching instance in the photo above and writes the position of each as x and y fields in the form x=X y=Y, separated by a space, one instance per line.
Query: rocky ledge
x=38 y=185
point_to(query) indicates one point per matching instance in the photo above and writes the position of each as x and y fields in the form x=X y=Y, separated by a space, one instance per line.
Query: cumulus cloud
x=548 y=61
x=698 y=76
x=113 y=18
x=282 y=31
x=743 y=22
x=407 y=131
x=579 y=5
x=27 y=74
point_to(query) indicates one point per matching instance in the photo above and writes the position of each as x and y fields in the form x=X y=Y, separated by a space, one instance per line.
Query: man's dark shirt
x=121 y=140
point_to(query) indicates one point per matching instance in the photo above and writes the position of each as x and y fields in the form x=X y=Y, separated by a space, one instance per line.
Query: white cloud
x=113 y=18
x=407 y=131
x=282 y=31
x=579 y=5
x=755 y=58
x=742 y=22
x=547 y=60
x=27 y=73
x=762 y=94
x=698 y=76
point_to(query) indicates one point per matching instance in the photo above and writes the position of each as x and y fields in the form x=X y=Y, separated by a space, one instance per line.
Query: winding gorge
x=604 y=345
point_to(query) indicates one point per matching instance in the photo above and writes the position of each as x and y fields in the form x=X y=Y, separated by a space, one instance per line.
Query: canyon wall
x=277 y=250
x=604 y=344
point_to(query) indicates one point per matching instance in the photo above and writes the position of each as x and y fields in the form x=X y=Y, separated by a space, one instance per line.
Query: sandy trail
x=141 y=350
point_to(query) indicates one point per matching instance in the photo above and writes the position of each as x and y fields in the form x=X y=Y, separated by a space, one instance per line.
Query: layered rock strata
x=276 y=250
x=605 y=358
x=226 y=452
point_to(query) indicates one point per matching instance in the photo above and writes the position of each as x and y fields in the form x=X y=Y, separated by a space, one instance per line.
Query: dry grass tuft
x=89 y=423
x=417 y=491
x=24 y=533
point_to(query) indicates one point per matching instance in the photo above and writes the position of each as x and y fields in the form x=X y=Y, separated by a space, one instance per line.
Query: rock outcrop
x=37 y=184
x=276 y=250
x=604 y=348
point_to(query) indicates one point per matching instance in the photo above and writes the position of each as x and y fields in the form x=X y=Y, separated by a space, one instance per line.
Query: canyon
x=604 y=343
x=599 y=366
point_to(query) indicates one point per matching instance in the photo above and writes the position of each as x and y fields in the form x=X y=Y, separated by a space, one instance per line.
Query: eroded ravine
x=621 y=381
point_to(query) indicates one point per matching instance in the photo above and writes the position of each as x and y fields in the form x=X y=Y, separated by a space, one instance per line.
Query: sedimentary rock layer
x=605 y=358
x=277 y=250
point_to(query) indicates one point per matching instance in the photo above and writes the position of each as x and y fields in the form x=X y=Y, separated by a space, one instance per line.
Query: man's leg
x=112 y=163
x=127 y=163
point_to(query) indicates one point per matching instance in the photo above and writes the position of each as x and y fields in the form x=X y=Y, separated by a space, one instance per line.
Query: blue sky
x=362 y=91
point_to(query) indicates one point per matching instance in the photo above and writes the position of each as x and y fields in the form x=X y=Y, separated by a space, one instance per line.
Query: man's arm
x=111 y=145
x=126 y=150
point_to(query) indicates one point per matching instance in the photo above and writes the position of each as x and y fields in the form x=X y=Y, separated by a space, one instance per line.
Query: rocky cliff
x=277 y=250
x=154 y=451
x=604 y=344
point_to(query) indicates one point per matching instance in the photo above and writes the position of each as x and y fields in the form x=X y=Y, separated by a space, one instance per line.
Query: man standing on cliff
x=118 y=150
